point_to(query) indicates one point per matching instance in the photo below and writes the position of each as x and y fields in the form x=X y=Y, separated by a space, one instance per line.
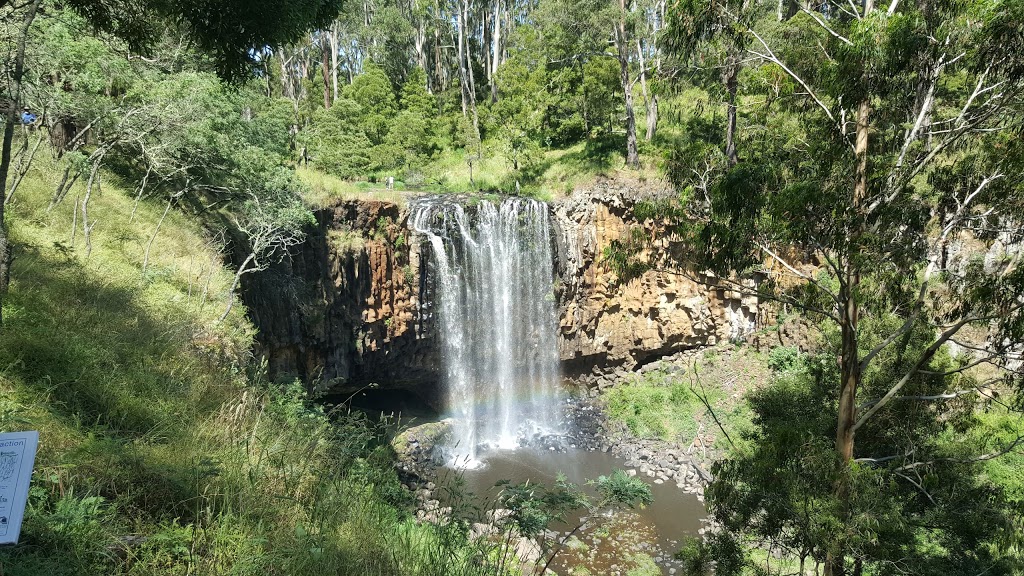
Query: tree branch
x=947 y=396
x=911 y=480
x=984 y=457
x=827 y=28
x=922 y=361
x=799 y=274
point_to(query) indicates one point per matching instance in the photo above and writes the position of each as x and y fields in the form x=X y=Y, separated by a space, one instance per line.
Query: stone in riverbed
x=421 y=439
x=527 y=550
x=479 y=529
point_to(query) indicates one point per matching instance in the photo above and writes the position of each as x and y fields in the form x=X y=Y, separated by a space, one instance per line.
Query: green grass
x=557 y=174
x=162 y=449
x=668 y=407
x=325 y=189
x=1000 y=427
x=655 y=406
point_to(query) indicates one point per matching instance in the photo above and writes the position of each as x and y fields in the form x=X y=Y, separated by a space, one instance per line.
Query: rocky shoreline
x=656 y=461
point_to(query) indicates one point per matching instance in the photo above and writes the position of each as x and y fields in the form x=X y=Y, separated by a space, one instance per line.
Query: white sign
x=17 y=456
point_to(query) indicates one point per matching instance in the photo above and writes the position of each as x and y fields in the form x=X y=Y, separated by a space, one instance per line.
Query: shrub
x=783 y=358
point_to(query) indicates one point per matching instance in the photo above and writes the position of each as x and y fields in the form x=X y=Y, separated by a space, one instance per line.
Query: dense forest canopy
x=861 y=161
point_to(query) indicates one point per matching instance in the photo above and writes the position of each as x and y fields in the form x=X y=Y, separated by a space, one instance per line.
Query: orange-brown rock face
x=351 y=306
x=606 y=321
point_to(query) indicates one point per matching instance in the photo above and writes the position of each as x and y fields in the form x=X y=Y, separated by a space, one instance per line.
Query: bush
x=783 y=358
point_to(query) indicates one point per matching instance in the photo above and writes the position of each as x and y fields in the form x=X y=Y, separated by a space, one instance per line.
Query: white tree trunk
x=622 y=47
x=496 y=50
x=234 y=285
x=650 y=106
x=460 y=23
x=334 y=57
x=469 y=68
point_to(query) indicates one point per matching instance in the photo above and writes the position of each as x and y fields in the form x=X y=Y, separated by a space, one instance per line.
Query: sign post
x=17 y=457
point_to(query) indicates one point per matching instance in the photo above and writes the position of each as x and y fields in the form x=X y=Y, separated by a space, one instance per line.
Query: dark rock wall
x=340 y=312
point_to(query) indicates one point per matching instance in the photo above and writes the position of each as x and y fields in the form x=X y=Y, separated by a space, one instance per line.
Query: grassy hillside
x=162 y=450
x=558 y=173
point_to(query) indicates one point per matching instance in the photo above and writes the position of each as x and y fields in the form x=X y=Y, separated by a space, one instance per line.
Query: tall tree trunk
x=325 y=64
x=835 y=562
x=650 y=104
x=730 y=77
x=496 y=50
x=623 y=49
x=659 y=19
x=586 y=112
x=287 y=87
x=421 y=53
x=5 y=246
x=460 y=23
x=11 y=118
x=652 y=118
x=440 y=77
x=469 y=68
x=485 y=41
x=334 y=59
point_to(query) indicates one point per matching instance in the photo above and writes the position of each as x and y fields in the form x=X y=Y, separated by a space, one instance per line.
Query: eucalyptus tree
x=232 y=33
x=626 y=31
x=890 y=145
x=519 y=115
x=718 y=34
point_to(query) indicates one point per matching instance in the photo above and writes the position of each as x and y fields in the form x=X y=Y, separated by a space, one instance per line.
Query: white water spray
x=494 y=309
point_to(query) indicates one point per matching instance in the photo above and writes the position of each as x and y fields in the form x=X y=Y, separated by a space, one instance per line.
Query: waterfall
x=493 y=309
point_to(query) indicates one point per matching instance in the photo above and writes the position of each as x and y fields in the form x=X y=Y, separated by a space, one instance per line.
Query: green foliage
x=164 y=452
x=533 y=507
x=641 y=564
x=516 y=117
x=232 y=33
x=391 y=39
x=410 y=142
x=656 y=406
x=368 y=131
x=784 y=358
x=621 y=489
x=869 y=204
x=414 y=96
x=781 y=490
x=373 y=92
x=336 y=141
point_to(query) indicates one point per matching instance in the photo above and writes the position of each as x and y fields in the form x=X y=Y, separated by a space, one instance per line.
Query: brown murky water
x=606 y=545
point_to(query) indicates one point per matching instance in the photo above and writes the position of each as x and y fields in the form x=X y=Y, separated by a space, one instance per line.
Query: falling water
x=494 y=309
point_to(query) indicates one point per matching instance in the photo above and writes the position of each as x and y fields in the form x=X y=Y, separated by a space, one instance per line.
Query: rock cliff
x=342 y=310
x=607 y=322
x=351 y=305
